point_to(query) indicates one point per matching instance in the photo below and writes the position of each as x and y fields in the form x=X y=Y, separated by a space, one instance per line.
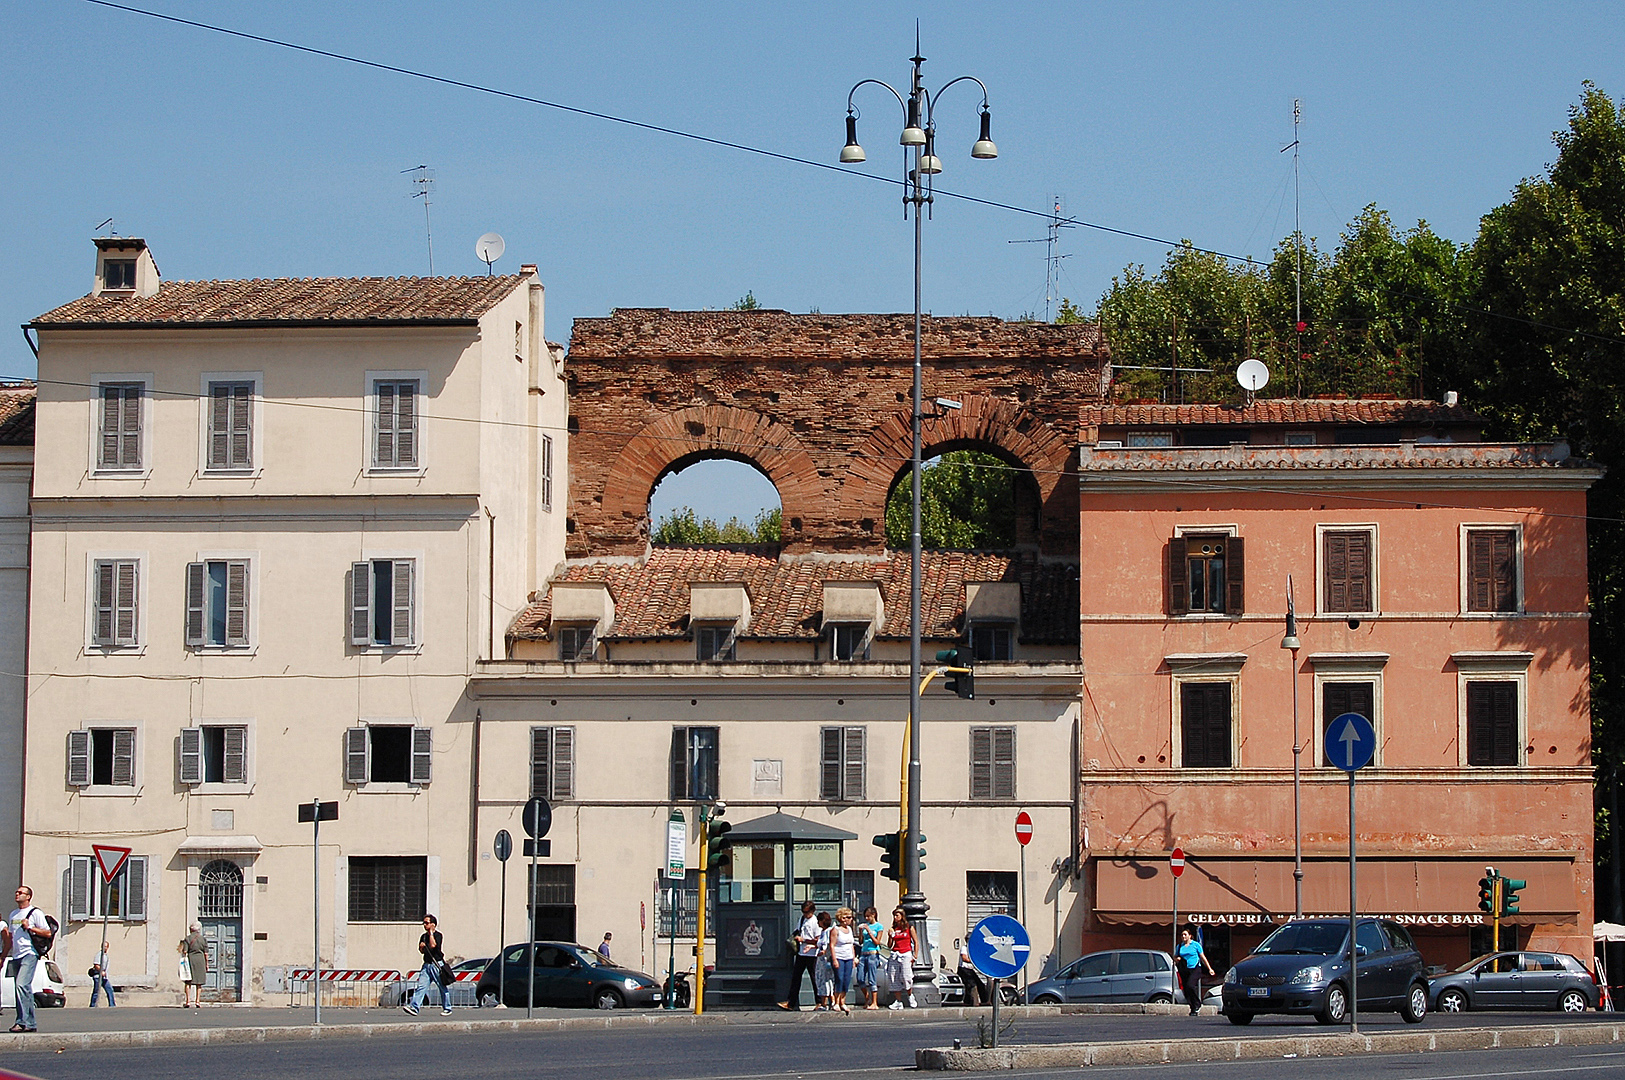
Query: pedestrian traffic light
x=962 y=682
x=889 y=845
x=1509 y=894
x=1486 y=893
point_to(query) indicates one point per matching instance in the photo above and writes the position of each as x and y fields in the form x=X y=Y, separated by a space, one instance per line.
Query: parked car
x=1302 y=968
x=462 y=992
x=566 y=974
x=47 y=985
x=1516 y=980
x=1117 y=975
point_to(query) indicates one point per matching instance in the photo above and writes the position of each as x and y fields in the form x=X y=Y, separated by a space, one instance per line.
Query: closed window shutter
x=677 y=765
x=384 y=439
x=406 y=425
x=219 y=426
x=361 y=603
x=1179 y=593
x=1338 y=698
x=124 y=757
x=124 y=599
x=191 y=755
x=1347 y=559
x=541 y=761
x=1359 y=572
x=130 y=428
x=1504 y=723
x=401 y=603
x=981 y=763
x=852 y=780
x=1234 y=574
x=547 y=472
x=81 y=869
x=242 y=443
x=106 y=575
x=829 y=769
x=135 y=888
x=356 y=753
x=1004 y=763
x=195 y=574
x=1492 y=570
x=1205 y=720
x=422 y=755
x=564 y=763
x=112 y=400
x=78 y=759
x=236 y=756
x=237 y=602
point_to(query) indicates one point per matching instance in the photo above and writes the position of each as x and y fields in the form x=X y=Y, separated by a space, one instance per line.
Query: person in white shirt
x=806 y=942
x=18 y=939
x=99 y=980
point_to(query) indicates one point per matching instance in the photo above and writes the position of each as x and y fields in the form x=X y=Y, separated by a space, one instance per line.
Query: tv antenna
x=105 y=225
x=423 y=181
x=1298 y=324
x=489 y=248
x=1052 y=258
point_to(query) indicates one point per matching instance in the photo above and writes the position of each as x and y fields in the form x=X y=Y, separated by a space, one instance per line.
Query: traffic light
x=716 y=837
x=963 y=682
x=922 y=851
x=1509 y=894
x=890 y=864
x=1486 y=892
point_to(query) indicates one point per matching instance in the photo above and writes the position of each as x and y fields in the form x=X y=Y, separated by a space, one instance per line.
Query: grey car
x=1125 y=975
x=1516 y=980
x=1302 y=968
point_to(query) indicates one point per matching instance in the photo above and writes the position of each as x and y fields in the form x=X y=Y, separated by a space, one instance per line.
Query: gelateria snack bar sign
x=1261 y=918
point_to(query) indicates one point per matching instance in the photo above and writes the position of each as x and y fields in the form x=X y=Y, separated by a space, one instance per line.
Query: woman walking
x=843 y=956
x=195 y=948
x=823 y=972
x=902 y=961
x=871 y=939
x=1191 y=962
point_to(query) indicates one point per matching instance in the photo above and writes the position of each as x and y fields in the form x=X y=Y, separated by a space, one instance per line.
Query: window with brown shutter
x=231 y=442
x=1205 y=575
x=841 y=764
x=1346 y=567
x=1492 y=570
x=1337 y=698
x=993 y=763
x=117 y=593
x=120 y=426
x=552 y=763
x=395 y=425
x=1492 y=723
x=1204 y=720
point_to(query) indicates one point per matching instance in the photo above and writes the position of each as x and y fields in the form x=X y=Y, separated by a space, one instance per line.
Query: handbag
x=446 y=976
x=94 y=971
x=184 y=968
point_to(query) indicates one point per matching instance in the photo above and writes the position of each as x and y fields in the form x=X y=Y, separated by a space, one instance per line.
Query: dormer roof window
x=124 y=268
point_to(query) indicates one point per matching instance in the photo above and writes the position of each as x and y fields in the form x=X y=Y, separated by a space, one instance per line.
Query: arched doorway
x=220 y=911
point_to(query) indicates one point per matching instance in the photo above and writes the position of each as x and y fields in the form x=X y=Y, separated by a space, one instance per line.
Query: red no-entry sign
x=1176 y=862
x=1024 y=829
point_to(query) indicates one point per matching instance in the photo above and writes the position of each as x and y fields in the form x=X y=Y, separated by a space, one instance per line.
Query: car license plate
x=1258 y=991
x=655 y=996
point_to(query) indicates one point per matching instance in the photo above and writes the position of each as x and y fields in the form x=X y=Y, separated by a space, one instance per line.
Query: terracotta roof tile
x=272 y=301
x=651 y=597
x=1434 y=456
x=17 y=414
x=663 y=333
x=1285 y=411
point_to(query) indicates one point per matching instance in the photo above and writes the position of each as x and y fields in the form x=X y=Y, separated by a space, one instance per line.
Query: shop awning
x=1238 y=891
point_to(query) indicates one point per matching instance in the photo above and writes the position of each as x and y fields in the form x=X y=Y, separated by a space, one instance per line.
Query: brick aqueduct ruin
x=819 y=404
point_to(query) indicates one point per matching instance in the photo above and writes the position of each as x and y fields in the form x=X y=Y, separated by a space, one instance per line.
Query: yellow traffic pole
x=699 y=936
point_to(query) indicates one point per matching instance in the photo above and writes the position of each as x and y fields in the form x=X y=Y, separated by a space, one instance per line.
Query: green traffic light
x=1509 y=894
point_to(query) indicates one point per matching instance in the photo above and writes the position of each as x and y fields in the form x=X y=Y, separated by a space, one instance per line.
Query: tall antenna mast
x=423 y=181
x=1052 y=257
x=1297 y=236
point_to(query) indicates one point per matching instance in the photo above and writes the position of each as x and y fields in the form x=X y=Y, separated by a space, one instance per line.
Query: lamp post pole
x=918 y=140
x=1290 y=641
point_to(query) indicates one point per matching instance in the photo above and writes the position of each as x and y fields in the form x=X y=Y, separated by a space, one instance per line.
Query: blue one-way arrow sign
x=1350 y=741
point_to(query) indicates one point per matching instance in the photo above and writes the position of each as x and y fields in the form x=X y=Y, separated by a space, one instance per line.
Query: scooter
x=682 y=996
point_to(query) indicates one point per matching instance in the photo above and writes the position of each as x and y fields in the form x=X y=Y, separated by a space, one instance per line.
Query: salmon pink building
x=1439 y=583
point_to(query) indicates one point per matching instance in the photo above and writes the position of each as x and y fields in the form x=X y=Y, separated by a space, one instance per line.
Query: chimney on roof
x=1451 y=398
x=124 y=268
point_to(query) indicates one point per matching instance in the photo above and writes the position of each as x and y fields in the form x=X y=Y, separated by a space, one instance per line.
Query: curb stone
x=1168 y=1052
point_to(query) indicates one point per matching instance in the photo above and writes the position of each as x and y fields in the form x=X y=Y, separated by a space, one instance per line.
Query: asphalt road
x=772 y=1049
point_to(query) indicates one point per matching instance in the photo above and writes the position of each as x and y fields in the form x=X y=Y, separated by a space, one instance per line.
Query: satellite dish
x=490 y=247
x=1252 y=375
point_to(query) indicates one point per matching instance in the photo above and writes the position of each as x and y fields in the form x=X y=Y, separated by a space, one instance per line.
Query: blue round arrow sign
x=1350 y=741
x=999 y=946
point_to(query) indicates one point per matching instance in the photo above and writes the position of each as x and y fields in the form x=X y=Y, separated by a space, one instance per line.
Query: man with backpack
x=27 y=935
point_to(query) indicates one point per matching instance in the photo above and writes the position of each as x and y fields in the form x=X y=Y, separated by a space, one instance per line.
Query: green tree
x=682 y=526
x=745 y=303
x=967 y=500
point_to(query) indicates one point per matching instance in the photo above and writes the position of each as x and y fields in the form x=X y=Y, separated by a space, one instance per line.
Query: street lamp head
x=984 y=147
x=1290 y=641
x=930 y=164
x=913 y=134
x=852 y=153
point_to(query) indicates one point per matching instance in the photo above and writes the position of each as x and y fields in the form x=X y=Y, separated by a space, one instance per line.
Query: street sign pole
x=1024 y=835
x=110 y=860
x=537 y=819
x=1353 y=743
x=1176 y=867
x=503 y=848
x=676 y=871
x=998 y=948
x=316 y=812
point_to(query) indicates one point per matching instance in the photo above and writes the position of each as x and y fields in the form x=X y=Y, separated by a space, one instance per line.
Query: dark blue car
x=566 y=974
x=1302 y=968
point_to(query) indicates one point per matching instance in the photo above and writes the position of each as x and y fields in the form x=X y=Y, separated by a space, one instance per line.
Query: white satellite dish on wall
x=1252 y=375
x=489 y=248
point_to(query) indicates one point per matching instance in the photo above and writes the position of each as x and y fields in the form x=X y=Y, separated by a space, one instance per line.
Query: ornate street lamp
x=920 y=164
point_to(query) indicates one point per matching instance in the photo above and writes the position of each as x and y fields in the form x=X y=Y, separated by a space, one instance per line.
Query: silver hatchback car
x=1119 y=975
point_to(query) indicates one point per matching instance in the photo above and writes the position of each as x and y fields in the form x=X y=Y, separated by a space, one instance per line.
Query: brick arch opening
x=688 y=436
x=1046 y=486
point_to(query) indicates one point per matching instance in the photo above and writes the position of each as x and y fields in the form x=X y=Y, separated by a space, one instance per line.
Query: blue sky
x=238 y=159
